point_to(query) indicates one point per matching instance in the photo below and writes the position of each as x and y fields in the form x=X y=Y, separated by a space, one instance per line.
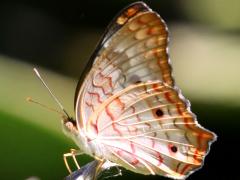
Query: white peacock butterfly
x=129 y=112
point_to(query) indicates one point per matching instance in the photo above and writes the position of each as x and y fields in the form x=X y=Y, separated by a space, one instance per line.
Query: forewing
x=149 y=128
x=133 y=50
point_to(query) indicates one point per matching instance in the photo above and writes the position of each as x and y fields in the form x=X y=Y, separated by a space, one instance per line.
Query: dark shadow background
x=61 y=36
x=44 y=32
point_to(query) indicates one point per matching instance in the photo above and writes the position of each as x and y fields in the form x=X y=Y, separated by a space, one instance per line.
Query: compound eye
x=69 y=125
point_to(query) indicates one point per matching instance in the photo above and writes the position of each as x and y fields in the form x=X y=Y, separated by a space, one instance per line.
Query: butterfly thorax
x=85 y=144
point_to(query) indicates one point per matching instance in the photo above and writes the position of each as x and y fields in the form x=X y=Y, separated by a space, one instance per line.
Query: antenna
x=54 y=97
x=29 y=99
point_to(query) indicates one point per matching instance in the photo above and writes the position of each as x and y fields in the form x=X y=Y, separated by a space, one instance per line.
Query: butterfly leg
x=76 y=153
x=99 y=167
x=73 y=153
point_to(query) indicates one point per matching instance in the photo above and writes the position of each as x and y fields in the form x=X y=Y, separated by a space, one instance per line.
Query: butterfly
x=129 y=111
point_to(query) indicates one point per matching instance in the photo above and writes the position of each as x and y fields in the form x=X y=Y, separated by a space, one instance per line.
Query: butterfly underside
x=128 y=106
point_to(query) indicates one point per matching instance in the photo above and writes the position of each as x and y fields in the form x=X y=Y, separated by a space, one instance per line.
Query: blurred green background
x=59 y=37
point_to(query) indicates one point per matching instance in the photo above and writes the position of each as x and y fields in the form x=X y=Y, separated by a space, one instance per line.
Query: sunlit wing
x=134 y=49
x=149 y=129
x=129 y=106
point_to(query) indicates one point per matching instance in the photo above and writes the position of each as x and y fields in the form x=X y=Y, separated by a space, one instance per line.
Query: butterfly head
x=69 y=125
